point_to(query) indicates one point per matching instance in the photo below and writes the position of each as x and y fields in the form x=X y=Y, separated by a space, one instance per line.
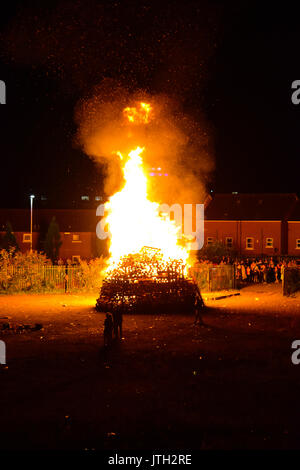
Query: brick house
x=253 y=224
x=294 y=231
x=77 y=230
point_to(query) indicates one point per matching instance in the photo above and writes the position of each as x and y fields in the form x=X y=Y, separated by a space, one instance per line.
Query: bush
x=216 y=251
x=22 y=271
x=34 y=272
x=92 y=273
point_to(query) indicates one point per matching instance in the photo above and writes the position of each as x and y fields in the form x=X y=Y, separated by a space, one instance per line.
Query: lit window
x=98 y=198
x=298 y=244
x=75 y=238
x=269 y=242
x=229 y=242
x=210 y=240
x=85 y=198
x=249 y=243
x=26 y=237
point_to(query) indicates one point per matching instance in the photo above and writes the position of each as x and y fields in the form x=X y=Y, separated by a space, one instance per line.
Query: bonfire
x=145 y=282
x=148 y=264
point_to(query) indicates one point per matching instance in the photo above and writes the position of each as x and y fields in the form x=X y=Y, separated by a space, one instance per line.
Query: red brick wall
x=84 y=247
x=25 y=246
x=260 y=231
x=219 y=230
x=239 y=231
x=293 y=234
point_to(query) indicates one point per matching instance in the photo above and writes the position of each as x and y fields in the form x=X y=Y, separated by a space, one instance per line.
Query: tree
x=53 y=241
x=9 y=239
x=216 y=251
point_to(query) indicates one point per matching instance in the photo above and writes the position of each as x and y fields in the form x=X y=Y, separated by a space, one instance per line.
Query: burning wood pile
x=146 y=282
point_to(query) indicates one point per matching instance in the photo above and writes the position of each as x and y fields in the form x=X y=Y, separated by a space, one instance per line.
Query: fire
x=135 y=221
x=140 y=115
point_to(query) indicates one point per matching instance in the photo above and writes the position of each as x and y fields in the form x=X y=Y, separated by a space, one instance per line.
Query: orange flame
x=134 y=221
x=138 y=116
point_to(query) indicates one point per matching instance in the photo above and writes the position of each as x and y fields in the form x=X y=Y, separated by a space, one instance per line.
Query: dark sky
x=234 y=63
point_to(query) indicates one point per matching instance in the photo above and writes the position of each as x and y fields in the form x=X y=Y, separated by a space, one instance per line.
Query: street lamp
x=31 y=204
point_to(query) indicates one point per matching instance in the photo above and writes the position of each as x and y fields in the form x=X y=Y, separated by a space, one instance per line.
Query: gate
x=212 y=278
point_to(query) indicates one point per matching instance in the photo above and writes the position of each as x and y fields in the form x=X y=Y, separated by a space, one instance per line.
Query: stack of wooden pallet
x=147 y=283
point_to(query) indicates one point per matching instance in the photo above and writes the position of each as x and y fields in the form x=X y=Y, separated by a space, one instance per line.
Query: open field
x=228 y=385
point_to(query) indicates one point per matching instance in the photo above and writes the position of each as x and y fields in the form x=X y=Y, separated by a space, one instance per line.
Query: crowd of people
x=257 y=270
x=265 y=270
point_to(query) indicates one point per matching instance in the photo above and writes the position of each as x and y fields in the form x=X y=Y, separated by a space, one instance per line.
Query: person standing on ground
x=66 y=281
x=108 y=329
x=120 y=311
x=198 y=306
x=118 y=320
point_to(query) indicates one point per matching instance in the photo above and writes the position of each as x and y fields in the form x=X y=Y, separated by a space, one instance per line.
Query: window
x=269 y=242
x=249 y=243
x=210 y=240
x=76 y=238
x=85 y=198
x=298 y=244
x=26 y=237
x=76 y=259
x=229 y=242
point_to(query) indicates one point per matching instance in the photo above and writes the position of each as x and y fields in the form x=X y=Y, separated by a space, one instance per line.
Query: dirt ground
x=168 y=385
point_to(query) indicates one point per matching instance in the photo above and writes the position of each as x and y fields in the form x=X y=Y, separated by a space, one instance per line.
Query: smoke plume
x=173 y=142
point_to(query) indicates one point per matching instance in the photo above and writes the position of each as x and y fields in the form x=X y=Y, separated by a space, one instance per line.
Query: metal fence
x=211 y=278
x=39 y=277
x=291 y=280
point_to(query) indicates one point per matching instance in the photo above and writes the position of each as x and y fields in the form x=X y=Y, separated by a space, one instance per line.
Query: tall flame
x=134 y=221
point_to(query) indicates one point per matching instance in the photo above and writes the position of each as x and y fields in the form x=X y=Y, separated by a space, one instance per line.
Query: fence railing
x=39 y=278
x=291 y=280
x=213 y=278
x=45 y=278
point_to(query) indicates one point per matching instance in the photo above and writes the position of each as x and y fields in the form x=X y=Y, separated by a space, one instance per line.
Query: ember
x=146 y=282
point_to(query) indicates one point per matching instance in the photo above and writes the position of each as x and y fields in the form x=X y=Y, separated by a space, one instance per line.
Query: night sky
x=233 y=63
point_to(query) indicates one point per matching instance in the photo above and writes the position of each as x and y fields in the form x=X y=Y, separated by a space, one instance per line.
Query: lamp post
x=31 y=204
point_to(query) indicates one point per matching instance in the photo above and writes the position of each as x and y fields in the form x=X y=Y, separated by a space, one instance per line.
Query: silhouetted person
x=108 y=330
x=198 y=307
x=118 y=320
x=66 y=281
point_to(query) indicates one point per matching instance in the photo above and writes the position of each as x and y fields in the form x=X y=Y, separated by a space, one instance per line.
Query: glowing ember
x=139 y=116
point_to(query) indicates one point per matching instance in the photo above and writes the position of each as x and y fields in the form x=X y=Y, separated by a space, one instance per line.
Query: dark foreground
x=228 y=385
